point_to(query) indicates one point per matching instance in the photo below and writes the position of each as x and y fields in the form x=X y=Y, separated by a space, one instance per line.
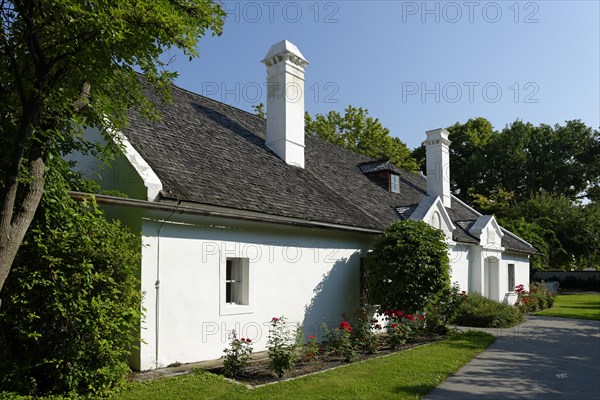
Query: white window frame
x=395 y=183
x=242 y=276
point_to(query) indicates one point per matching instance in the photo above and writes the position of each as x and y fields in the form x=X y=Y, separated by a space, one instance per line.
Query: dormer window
x=395 y=183
x=382 y=173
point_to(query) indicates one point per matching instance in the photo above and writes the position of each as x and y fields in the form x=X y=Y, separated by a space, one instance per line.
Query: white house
x=243 y=220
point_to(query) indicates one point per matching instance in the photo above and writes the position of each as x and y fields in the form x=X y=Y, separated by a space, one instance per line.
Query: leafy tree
x=522 y=159
x=468 y=165
x=569 y=229
x=71 y=310
x=544 y=240
x=356 y=130
x=408 y=266
x=71 y=64
x=562 y=159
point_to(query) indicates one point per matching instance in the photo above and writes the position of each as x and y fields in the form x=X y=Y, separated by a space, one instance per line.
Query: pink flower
x=248 y=340
x=274 y=319
x=410 y=317
x=394 y=325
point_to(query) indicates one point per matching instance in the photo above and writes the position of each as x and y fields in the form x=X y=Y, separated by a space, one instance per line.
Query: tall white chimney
x=285 y=102
x=437 y=147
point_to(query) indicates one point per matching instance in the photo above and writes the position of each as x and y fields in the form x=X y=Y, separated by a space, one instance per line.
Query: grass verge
x=585 y=306
x=405 y=375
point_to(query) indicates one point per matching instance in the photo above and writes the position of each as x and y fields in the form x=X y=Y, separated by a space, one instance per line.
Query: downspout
x=157 y=285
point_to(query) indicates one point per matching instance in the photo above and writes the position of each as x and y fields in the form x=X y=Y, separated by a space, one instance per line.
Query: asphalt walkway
x=544 y=358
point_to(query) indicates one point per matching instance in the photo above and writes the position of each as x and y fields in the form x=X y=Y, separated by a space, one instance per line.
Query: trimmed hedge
x=479 y=311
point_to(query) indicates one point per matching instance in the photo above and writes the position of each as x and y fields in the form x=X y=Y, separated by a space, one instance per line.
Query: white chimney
x=437 y=148
x=285 y=102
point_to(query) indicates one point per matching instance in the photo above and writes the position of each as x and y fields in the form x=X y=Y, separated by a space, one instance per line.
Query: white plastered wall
x=308 y=275
x=459 y=266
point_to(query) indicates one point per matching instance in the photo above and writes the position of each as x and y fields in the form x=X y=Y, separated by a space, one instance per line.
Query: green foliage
x=408 y=266
x=569 y=229
x=71 y=64
x=543 y=239
x=56 y=46
x=311 y=349
x=536 y=299
x=532 y=178
x=356 y=130
x=479 y=311
x=282 y=345
x=237 y=356
x=339 y=340
x=259 y=110
x=71 y=306
x=401 y=327
x=441 y=312
x=363 y=334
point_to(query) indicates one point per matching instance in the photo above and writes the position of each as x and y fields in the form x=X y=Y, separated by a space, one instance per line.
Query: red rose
x=394 y=325
x=345 y=326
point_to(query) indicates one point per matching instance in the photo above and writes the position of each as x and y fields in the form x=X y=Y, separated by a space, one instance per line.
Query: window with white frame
x=395 y=183
x=511 y=277
x=236 y=286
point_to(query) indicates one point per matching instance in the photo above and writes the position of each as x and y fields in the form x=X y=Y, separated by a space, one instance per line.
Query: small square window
x=395 y=183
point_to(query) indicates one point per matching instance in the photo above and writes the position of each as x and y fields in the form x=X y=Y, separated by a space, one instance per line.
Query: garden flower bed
x=290 y=354
x=258 y=373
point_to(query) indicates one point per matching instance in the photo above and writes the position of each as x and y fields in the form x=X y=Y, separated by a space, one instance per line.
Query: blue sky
x=415 y=65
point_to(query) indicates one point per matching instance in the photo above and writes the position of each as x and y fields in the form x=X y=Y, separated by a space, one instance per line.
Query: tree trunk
x=15 y=219
x=11 y=239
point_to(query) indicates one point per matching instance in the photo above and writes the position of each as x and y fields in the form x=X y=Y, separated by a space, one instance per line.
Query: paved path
x=544 y=358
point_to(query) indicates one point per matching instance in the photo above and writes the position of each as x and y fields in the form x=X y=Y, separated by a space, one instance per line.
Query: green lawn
x=405 y=375
x=586 y=306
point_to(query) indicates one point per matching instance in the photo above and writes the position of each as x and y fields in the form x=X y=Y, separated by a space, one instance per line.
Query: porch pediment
x=432 y=211
x=488 y=231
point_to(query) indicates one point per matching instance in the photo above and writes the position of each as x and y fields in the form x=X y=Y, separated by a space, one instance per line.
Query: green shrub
x=363 y=334
x=71 y=304
x=282 y=345
x=408 y=266
x=441 y=312
x=479 y=311
x=537 y=298
x=237 y=356
x=339 y=340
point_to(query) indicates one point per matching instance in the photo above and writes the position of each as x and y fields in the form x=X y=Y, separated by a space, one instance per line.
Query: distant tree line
x=541 y=182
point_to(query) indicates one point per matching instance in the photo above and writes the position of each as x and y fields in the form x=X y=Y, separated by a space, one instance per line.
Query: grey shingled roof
x=208 y=152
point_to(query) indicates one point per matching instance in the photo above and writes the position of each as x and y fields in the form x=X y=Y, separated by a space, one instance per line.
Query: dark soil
x=258 y=372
